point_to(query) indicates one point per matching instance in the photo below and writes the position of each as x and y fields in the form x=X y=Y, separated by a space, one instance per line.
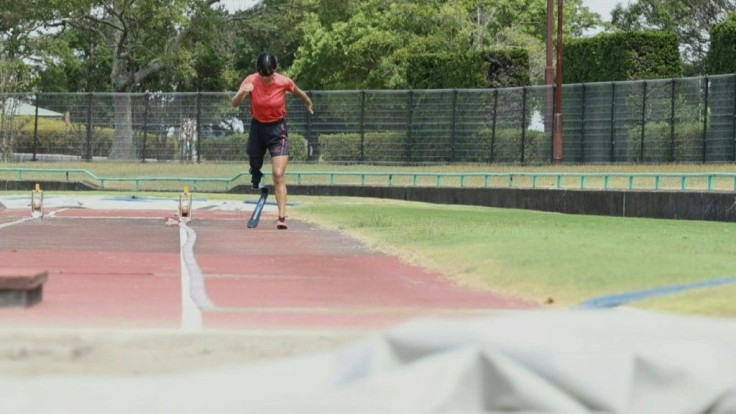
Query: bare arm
x=242 y=94
x=304 y=97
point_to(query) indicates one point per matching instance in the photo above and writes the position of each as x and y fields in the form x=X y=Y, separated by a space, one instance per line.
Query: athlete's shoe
x=281 y=223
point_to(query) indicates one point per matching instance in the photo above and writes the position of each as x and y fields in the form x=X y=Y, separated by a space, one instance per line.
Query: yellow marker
x=185 y=205
x=37 y=202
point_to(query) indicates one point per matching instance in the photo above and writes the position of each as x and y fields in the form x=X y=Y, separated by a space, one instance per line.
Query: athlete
x=267 y=91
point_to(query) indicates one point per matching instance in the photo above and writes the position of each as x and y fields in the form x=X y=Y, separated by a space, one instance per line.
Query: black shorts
x=273 y=136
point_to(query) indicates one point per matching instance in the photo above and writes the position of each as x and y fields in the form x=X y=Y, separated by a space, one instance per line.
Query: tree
x=278 y=26
x=20 y=44
x=525 y=16
x=370 y=49
x=143 y=38
x=19 y=47
x=203 y=61
x=75 y=63
x=689 y=19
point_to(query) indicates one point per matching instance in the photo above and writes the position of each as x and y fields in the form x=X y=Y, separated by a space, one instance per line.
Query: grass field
x=540 y=256
x=567 y=258
x=376 y=175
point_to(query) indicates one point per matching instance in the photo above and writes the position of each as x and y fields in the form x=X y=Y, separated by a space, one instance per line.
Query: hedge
x=622 y=56
x=474 y=148
x=56 y=136
x=470 y=69
x=59 y=137
x=658 y=143
x=721 y=56
x=234 y=148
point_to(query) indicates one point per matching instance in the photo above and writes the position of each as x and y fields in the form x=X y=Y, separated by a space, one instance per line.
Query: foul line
x=13 y=223
x=23 y=220
x=611 y=301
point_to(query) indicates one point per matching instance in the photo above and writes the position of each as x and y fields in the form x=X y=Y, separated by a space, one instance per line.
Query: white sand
x=38 y=352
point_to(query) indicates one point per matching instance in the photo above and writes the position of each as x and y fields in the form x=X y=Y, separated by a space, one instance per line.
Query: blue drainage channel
x=611 y=301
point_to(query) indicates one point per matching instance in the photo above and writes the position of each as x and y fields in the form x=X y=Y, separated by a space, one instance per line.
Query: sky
x=602 y=7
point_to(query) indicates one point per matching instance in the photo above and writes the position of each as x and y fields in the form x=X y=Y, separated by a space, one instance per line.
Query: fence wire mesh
x=688 y=120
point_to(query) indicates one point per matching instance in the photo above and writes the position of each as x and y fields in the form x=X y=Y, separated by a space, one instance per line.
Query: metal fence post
x=493 y=128
x=613 y=121
x=734 y=118
x=453 y=125
x=312 y=150
x=199 y=125
x=409 y=128
x=705 y=120
x=643 y=123
x=552 y=136
x=523 y=123
x=582 y=127
x=145 y=125
x=35 y=130
x=90 y=97
x=362 y=125
x=672 y=120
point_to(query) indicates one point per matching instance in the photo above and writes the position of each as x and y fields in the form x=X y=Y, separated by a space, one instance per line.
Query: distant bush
x=234 y=148
x=55 y=136
x=506 y=146
x=658 y=143
x=377 y=147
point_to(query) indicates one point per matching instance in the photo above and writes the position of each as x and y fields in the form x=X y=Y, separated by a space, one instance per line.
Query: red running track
x=118 y=268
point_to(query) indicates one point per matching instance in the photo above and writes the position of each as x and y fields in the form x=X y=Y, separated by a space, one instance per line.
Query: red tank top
x=268 y=100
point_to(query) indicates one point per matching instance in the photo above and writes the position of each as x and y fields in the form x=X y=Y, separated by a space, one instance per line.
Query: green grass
x=126 y=169
x=716 y=301
x=569 y=258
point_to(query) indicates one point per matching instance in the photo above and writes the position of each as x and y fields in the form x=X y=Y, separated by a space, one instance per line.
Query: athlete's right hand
x=248 y=87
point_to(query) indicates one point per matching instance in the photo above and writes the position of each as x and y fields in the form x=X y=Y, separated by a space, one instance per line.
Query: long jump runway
x=117 y=263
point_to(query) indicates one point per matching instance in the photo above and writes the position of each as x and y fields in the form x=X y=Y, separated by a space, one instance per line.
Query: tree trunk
x=122 y=145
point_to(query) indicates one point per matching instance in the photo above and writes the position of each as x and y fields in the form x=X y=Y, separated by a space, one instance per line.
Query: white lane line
x=108 y=218
x=13 y=223
x=193 y=292
x=362 y=310
x=53 y=213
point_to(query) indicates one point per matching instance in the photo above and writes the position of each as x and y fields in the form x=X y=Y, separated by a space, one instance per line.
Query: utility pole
x=549 y=70
x=557 y=138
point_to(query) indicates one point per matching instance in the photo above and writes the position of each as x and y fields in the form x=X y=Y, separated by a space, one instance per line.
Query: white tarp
x=539 y=361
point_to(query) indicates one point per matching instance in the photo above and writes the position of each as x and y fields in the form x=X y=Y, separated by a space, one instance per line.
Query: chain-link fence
x=691 y=120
